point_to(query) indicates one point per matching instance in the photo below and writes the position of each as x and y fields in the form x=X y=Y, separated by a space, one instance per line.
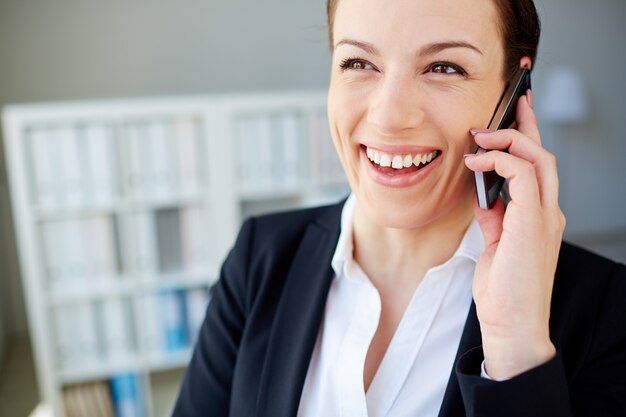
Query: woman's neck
x=399 y=258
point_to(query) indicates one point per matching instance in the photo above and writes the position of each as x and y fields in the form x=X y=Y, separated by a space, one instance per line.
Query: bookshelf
x=124 y=211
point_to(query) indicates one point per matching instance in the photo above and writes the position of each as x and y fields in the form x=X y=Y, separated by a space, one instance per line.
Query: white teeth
x=398 y=161
x=385 y=160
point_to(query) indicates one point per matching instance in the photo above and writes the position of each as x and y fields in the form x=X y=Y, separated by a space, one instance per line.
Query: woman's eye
x=446 y=68
x=355 y=64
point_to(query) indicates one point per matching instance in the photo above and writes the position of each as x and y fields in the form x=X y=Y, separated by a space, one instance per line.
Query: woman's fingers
x=523 y=184
x=525 y=118
x=523 y=147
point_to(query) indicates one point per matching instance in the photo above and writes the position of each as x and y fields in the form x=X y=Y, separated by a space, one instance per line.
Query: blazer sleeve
x=206 y=387
x=596 y=388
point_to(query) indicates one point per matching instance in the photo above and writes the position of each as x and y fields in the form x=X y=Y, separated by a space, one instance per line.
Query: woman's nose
x=395 y=107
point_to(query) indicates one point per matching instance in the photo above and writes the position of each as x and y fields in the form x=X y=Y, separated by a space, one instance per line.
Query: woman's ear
x=525 y=62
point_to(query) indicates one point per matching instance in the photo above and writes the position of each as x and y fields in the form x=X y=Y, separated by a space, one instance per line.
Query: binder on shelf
x=195 y=239
x=91 y=399
x=75 y=335
x=264 y=157
x=246 y=152
x=114 y=319
x=42 y=153
x=98 y=243
x=159 y=152
x=134 y=182
x=197 y=302
x=174 y=320
x=289 y=140
x=70 y=162
x=65 y=343
x=127 y=396
x=68 y=247
x=103 y=399
x=99 y=162
x=168 y=233
x=188 y=150
x=152 y=330
x=139 y=241
x=85 y=334
x=325 y=165
x=54 y=251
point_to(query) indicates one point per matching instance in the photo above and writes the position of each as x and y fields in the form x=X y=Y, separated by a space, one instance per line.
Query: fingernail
x=469 y=155
x=476 y=131
x=529 y=95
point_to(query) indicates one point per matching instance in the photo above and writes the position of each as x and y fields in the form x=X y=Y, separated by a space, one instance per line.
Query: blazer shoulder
x=287 y=227
x=577 y=261
x=585 y=283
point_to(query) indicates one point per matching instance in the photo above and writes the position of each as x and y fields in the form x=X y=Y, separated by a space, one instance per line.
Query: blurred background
x=66 y=50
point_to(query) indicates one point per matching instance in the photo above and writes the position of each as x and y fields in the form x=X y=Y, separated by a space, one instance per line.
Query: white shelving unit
x=125 y=209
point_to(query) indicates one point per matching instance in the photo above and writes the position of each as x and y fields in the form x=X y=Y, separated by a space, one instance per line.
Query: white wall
x=69 y=50
x=589 y=37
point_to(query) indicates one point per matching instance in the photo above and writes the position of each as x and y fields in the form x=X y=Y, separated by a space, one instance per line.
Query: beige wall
x=67 y=50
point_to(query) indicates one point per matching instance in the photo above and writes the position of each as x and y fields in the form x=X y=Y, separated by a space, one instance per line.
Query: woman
x=407 y=299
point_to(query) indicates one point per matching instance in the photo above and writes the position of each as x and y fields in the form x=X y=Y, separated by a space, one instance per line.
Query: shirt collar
x=471 y=247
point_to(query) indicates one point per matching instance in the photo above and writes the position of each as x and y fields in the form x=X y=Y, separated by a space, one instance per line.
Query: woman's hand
x=514 y=276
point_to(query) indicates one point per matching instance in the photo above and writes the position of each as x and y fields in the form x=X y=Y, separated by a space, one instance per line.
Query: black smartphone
x=489 y=184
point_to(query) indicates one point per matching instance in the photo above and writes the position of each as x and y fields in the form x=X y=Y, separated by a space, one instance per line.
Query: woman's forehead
x=388 y=23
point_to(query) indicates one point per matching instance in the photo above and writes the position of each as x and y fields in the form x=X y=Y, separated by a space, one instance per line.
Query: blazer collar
x=298 y=318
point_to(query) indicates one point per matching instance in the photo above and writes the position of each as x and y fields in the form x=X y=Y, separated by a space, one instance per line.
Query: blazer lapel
x=297 y=321
x=452 y=405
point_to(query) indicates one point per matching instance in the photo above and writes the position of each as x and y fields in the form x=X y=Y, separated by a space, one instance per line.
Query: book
x=43 y=152
x=168 y=234
x=195 y=242
x=114 y=318
x=152 y=332
x=158 y=151
x=99 y=162
x=188 y=150
x=139 y=241
x=138 y=171
x=54 y=253
x=127 y=397
x=70 y=162
x=289 y=140
x=197 y=302
x=174 y=320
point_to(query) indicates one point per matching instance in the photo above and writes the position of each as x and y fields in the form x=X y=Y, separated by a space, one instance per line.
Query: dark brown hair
x=519 y=25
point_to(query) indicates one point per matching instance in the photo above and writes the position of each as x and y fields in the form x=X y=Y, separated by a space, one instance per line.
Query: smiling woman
x=407 y=299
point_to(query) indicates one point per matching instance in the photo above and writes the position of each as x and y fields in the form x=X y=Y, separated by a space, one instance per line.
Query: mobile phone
x=489 y=184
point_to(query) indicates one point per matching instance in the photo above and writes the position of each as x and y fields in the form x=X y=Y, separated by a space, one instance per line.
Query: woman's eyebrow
x=367 y=47
x=435 y=47
x=429 y=49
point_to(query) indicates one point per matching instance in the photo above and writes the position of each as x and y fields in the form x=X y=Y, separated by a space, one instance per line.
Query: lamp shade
x=563 y=98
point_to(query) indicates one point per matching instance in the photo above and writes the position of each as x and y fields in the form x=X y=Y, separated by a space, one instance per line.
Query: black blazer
x=254 y=347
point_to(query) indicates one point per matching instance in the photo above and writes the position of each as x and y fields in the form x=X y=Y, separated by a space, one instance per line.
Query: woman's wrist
x=509 y=357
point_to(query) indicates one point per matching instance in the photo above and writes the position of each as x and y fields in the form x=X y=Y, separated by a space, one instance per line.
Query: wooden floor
x=18 y=386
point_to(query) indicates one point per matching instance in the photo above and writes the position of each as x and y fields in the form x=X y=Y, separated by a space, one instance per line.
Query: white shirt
x=413 y=375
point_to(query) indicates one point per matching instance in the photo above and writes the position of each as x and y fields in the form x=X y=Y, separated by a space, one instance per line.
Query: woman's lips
x=398 y=170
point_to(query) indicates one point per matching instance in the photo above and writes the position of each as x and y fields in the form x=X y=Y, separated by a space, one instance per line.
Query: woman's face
x=409 y=79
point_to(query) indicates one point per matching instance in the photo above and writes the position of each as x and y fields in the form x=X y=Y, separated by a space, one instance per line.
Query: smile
x=394 y=164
